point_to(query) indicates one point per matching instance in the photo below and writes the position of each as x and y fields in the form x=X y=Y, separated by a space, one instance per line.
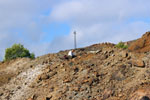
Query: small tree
x=121 y=45
x=17 y=51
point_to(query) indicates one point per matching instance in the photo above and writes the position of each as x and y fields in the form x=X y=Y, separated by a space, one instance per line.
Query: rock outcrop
x=142 y=44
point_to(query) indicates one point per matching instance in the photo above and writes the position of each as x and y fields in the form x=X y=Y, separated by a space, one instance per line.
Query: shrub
x=17 y=51
x=121 y=45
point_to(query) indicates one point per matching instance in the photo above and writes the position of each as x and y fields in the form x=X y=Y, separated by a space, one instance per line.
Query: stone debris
x=138 y=63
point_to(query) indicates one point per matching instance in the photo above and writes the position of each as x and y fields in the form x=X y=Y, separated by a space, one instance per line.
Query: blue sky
x=47 y=26
x=55 y=29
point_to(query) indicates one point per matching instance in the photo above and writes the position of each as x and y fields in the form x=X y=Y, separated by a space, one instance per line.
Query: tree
x=121 y=45
x=17 y=51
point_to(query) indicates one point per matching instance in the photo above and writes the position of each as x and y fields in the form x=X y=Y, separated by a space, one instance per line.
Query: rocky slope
x=98 y=72
x=142 y=44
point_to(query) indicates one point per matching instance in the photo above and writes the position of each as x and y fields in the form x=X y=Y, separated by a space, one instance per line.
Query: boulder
x=138 y=63
x=1 y=94
x=123 y=54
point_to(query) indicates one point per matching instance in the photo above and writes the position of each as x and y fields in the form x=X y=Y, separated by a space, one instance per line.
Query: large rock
x=138 y=63
x=1 y=94
x=123 y=54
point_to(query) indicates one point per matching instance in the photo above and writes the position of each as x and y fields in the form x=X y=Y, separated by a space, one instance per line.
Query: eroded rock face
x=142 y=44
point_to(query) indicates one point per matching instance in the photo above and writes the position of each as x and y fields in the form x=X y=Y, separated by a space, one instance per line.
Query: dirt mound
x=142 y=44
x=98 y=72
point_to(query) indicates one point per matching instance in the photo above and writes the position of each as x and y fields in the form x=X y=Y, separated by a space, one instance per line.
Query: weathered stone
x=138 y=63
x=123 y=54
x=67 y=80
x=52 y=73
x=105 y=52
x=85 y=81
x=103 y=57
x=48 y=70
x=76 y=88
x=33 y=97
x=107 y=63
x=107 y=94
x=44 y=77
x=48 y=98
x=30 y=99
x=51 y=89
x=1 y=94
x=18 y=87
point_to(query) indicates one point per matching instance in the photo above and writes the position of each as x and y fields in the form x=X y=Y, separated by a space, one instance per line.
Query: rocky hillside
x=98 y=72
x=142 y=44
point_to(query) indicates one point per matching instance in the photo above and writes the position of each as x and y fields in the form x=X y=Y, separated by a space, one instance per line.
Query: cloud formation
x=18 y=23
x=103 y=20
x=94 y=20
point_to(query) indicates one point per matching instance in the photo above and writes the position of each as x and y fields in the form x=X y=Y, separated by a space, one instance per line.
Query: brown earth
x=98 y=72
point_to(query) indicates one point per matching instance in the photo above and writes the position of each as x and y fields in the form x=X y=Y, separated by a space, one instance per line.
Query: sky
x=47 y=26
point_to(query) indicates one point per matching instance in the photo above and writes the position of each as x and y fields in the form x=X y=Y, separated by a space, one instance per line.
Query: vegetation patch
x=17 y=51
x=121 y=45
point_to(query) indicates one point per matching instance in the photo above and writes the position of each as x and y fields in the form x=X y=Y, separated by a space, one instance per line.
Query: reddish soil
x=142 y=44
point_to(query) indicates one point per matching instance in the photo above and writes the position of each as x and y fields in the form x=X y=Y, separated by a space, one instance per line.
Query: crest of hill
x=142 y=44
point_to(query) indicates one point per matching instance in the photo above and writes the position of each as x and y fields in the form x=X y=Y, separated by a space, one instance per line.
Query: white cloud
x=94 y=20
x=102 y=20
x=99 y=10
x=19 y=23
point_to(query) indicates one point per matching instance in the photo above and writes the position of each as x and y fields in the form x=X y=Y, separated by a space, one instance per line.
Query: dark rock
x=1 y=94
x=48 y=98
x=103 y=57
x=31 y=66
x=76 y=70
x=51 y=89
x=18 y=87
x=145 y=98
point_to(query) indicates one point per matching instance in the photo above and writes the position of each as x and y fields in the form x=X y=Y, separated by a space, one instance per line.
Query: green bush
x=17 y=51
x=121 y=45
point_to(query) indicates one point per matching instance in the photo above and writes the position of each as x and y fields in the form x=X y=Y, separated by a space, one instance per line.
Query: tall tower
x=75 y=42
